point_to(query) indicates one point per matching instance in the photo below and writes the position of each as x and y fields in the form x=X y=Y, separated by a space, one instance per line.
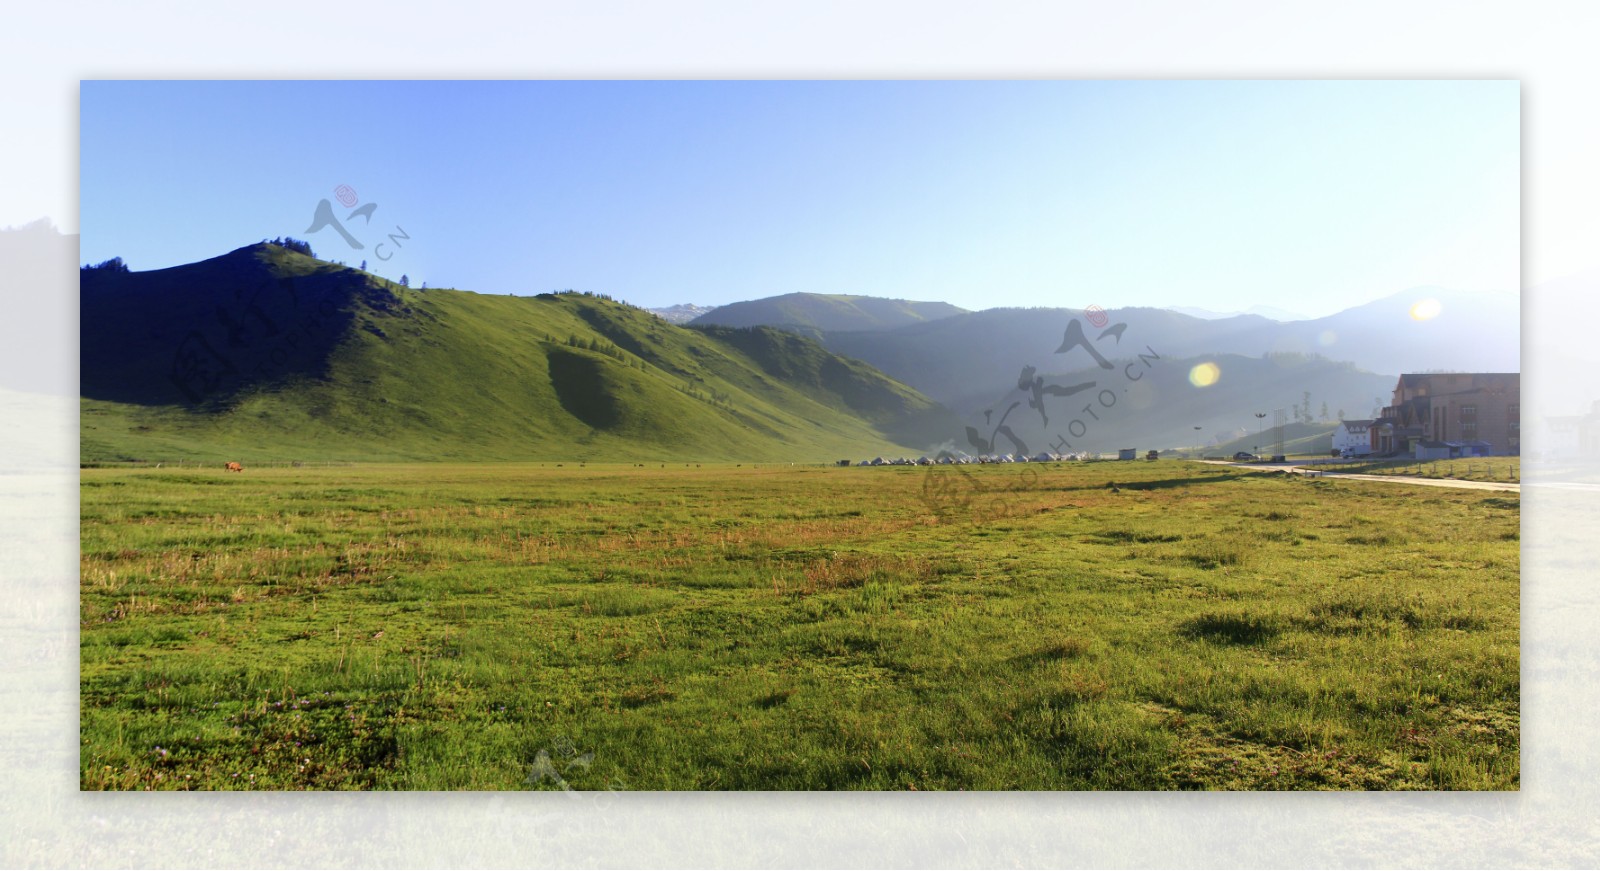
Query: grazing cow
x=234 y=467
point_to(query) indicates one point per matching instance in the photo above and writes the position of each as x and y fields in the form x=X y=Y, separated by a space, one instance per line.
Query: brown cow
x=234 y=467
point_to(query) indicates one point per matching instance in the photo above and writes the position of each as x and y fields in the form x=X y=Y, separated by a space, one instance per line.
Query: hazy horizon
x=1260 y=309
x=1268 y=310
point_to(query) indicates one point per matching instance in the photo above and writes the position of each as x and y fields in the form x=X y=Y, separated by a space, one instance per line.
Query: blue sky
x=1309 y=196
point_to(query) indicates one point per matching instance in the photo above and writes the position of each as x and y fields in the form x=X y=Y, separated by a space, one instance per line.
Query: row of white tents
x=946 y=458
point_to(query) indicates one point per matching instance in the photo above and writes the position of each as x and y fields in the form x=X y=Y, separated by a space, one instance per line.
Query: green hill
x=265 y=353
x=815 y=313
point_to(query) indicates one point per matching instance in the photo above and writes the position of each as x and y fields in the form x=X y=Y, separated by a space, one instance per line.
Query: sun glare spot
x=1204 y=375
x=1426 y=310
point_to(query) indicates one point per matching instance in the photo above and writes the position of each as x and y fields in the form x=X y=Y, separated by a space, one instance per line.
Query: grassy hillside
x=265 y=353
x=839 y=382
x=821 y=312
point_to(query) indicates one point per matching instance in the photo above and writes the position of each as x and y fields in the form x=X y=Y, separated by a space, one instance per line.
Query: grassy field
x=687 y=627
x=1471 y=469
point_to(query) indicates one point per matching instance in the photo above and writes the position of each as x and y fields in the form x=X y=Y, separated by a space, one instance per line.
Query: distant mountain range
x=267 y=353
x=910 y=340
x=956 y=360
x=973 y=362
x=815 y=313
x=681 y=313
x=1165 y=402
x=1266 y=311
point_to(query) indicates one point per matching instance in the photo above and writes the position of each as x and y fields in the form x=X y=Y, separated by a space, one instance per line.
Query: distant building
x=1460 y=407
x=1127 y=453
x=1425 y=449
x=1573 y=435
x=1353 y=436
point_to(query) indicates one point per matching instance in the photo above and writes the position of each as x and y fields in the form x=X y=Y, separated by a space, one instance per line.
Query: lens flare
x=1426 y=309
x=1204 y=375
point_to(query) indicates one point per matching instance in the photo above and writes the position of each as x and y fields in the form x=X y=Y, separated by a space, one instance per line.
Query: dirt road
x=1322 y=471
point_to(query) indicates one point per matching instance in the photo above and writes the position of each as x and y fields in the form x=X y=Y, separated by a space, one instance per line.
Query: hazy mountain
x=1471 y=332
x=1298 y=438
x=268 y=353
x=1269 y=312
x=812 y=313
x=955 y=360
x=37 y=334
x=1158 y=402
x=681 y=313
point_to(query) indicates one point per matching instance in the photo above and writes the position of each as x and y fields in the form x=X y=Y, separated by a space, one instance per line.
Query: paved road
x=1322 y=471
x=1431 y=482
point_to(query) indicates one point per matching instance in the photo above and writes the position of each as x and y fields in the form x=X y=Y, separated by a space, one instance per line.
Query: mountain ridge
x=1471 y=332
x=819 y=313
x=681 y=313
x=268 y=352
x=181 y=358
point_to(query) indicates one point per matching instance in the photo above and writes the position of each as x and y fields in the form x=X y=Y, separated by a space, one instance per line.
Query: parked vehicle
x=1244 y=456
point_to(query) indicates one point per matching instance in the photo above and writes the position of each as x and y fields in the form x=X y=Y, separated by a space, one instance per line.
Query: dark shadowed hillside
x=268 y=353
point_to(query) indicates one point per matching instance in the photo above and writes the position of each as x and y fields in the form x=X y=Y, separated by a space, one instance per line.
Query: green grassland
x=733 y=627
